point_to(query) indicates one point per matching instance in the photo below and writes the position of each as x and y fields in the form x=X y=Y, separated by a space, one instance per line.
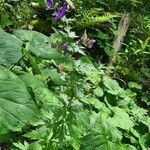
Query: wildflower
x=83 y=38
x=50 y=4
x=61 y=11
x=64 y=47
x=91 y=43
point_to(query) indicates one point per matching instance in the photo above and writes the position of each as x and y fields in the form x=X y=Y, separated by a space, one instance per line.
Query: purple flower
x=50 y=4
x=61 y=12
x=83 y=38
x=91 y=43
x=64 y=47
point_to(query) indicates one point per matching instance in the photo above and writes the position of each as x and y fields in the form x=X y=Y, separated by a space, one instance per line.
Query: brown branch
x=119 y=38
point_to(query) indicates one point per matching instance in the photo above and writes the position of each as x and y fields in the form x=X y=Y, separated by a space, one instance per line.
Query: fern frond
x=94 y=16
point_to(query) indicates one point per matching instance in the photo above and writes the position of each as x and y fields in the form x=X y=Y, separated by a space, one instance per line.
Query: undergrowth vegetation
x=55 y=89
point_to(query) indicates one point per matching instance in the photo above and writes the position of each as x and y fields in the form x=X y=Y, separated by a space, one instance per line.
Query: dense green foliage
x=62 y=98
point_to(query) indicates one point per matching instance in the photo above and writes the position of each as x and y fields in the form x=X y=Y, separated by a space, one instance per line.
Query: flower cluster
x=60 y=12
x=63 y=46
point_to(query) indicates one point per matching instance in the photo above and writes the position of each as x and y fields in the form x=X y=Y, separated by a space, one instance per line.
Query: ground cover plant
x=63 y=85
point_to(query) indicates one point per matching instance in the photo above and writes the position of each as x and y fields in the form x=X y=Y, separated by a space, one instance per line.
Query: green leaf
x=38 y=43
x=145 y=141
x=100 y=141
x=35 y=146
x=4 y=21
x=10 y=48
x=98 y=92
x=40 y=92
x=109 y=51
x=21 y=146
x=110 y=145
x=65 y=63
x=33 y=37
x=85 y=59
x=56 y=77
x=75 y=48
x=56 y=37
x=17 y=108
x=130 y=147
x=95 y=102
x=92 y=73
x=112 y=86
x=120 y=119
x=38 y=134
x=134 y=85
x=101 y=135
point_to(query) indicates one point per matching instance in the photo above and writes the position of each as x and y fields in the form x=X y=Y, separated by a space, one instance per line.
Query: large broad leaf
x=17 y=107
x=41 y=93
x=51 y=104
x=112 y=86
x=120 y=119
x=10 y=48
x=40 y=45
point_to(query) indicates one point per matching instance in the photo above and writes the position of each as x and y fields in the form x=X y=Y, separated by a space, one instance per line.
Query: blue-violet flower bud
x=91 y=43
x=61 y=11
x=83 y=38
x=50 y=4
x=64 y=47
